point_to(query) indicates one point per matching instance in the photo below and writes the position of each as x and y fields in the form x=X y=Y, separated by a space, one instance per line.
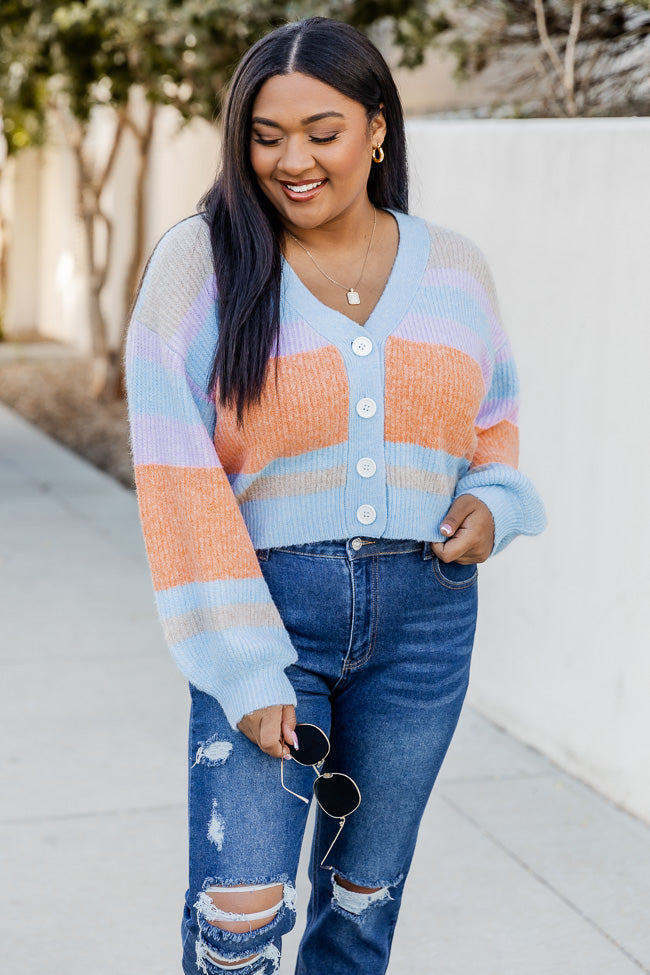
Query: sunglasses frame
x=320 y=775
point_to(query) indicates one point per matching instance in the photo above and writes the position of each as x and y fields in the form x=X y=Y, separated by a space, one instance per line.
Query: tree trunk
x=5 y=232
x=89 y=191
x=115 y=380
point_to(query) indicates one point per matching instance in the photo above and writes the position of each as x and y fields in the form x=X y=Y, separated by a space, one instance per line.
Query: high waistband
x=358 y=547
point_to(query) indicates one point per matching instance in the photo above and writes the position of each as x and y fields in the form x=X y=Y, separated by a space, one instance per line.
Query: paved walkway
x=520 y=869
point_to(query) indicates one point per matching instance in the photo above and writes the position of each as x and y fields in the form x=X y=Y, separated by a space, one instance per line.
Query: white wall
x=562 y=210
x=47 y=289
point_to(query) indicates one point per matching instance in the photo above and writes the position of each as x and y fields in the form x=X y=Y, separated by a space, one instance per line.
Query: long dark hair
x=245 y=230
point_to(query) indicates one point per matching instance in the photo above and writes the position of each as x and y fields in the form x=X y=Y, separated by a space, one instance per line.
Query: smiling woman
x=323 y=408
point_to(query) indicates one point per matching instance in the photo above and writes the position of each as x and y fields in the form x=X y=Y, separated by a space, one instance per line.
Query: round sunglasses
x=336 y=793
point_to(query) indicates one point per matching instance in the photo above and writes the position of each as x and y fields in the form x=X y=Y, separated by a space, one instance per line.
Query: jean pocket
x=453 y=575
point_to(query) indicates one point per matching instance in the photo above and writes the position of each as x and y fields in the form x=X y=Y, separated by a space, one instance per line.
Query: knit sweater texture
x=368 y=431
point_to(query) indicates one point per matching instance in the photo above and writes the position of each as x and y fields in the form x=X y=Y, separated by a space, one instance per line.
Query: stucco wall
x=562 y=211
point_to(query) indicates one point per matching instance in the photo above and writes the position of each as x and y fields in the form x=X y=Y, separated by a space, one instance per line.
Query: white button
x=356 y=544
x=366 y=467
x=366 y=407
x=366 y=514
x=362 y=345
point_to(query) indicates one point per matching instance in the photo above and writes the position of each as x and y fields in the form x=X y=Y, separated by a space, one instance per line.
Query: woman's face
x=311 y=150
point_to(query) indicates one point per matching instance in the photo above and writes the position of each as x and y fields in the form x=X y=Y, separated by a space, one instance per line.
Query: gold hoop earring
x=377 y=154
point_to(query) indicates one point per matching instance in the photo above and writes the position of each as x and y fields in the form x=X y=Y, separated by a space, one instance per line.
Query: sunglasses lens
x=337 y=794
x=313 y=745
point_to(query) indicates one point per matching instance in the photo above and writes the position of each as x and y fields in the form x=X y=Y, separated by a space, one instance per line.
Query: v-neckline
x=402 y=283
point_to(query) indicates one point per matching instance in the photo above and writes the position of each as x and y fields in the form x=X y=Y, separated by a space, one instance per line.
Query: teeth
x=304 y=188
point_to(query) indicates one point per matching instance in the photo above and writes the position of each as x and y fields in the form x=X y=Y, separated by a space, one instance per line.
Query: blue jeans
x=383 y=633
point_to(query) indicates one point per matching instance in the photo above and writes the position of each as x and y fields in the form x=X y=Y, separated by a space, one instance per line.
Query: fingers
x=459 y=510
x=469 y=527
x=264 y=728
x=289 y=724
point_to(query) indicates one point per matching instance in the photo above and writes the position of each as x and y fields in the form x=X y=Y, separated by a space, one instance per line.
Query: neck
x=341 y=233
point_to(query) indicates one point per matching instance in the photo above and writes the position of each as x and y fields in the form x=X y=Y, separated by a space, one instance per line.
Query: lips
x=302 y=190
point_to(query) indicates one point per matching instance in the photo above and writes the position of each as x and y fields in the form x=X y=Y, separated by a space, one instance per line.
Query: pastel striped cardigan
x=429 y=399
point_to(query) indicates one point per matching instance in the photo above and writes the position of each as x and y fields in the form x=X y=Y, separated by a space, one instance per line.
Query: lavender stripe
x=496 y=410
x=159 y=440
x=195 y=318
x=297 y=336
x=452 y=277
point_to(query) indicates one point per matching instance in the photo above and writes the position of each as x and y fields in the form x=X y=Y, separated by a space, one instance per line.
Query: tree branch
x=569 y=81
x=542 y=30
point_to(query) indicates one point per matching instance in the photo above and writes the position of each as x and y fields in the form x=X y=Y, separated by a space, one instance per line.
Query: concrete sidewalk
x=519 y=868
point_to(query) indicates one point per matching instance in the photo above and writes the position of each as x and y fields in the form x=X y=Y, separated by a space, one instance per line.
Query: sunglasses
x=336 y=793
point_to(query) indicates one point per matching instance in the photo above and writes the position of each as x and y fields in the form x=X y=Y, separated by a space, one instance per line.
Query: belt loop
x=427 y=551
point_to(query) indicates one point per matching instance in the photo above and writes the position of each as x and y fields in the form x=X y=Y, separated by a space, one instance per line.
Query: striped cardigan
x=371 y=430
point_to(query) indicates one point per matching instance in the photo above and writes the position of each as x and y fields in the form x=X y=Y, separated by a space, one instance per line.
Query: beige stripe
x=465 y=256
x=212 y=618
x=415 y=479
x=286 y=485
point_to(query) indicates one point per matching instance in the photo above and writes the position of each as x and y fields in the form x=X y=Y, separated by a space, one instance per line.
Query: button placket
x=366 y=467
x=364 y=493
x=362 y=345
x=366 y=407
x=366 y=514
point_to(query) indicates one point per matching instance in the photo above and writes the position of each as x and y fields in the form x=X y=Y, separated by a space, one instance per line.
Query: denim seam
x=344 y=667
x=355 y=664
x=447 y=583
x=377 y=555
x=308 y=555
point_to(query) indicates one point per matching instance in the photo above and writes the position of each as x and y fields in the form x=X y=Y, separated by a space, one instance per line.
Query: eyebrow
x=305 y=121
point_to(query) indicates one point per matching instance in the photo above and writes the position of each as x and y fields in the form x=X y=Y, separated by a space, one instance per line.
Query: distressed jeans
x=384 y=632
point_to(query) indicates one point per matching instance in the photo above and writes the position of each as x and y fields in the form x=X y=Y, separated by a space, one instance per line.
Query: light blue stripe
x=425 y=458
x=200 y=595
x=235 y=649
x=414 y=515
x=155 y=391
x=274 y=522
x=447 y=302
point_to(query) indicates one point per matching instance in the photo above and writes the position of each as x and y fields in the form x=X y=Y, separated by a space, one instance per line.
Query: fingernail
x=286 y=755
x=295 y=740
x=446 y=529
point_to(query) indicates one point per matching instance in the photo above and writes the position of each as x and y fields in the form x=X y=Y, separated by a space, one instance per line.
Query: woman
x=323 y=409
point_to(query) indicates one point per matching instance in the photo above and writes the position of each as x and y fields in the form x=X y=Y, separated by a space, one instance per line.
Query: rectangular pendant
x=353 y=297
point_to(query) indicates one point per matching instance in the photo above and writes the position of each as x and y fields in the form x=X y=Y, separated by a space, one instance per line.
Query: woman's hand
x=469 y=527
x=269 y=727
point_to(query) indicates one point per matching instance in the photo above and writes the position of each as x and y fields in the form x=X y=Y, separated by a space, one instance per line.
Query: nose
x=296 y=157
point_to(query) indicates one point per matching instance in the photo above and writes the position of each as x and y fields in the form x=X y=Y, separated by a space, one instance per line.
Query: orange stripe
x=433 y=394
x=179 y=503
x=497 y=445
x=308 y=410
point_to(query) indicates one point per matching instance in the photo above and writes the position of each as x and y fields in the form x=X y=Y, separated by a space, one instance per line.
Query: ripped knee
x=241 y=908
x=210 y=960
x=342 y=882
x=353 y=900
x=238 y=924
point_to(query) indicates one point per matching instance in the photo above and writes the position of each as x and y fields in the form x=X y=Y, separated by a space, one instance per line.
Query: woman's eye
x=265 y=142
x=321 y=140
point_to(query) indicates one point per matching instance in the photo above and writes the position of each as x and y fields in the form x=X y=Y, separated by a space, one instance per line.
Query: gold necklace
x=351 y=293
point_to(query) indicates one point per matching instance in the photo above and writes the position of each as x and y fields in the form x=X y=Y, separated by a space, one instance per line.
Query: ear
x=378 y=127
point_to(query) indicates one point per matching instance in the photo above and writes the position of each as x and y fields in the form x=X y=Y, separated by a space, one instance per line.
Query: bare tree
x=559 y=57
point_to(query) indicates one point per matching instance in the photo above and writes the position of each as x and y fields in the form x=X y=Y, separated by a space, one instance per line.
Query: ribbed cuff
x=505 y=510
x=259 y=689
